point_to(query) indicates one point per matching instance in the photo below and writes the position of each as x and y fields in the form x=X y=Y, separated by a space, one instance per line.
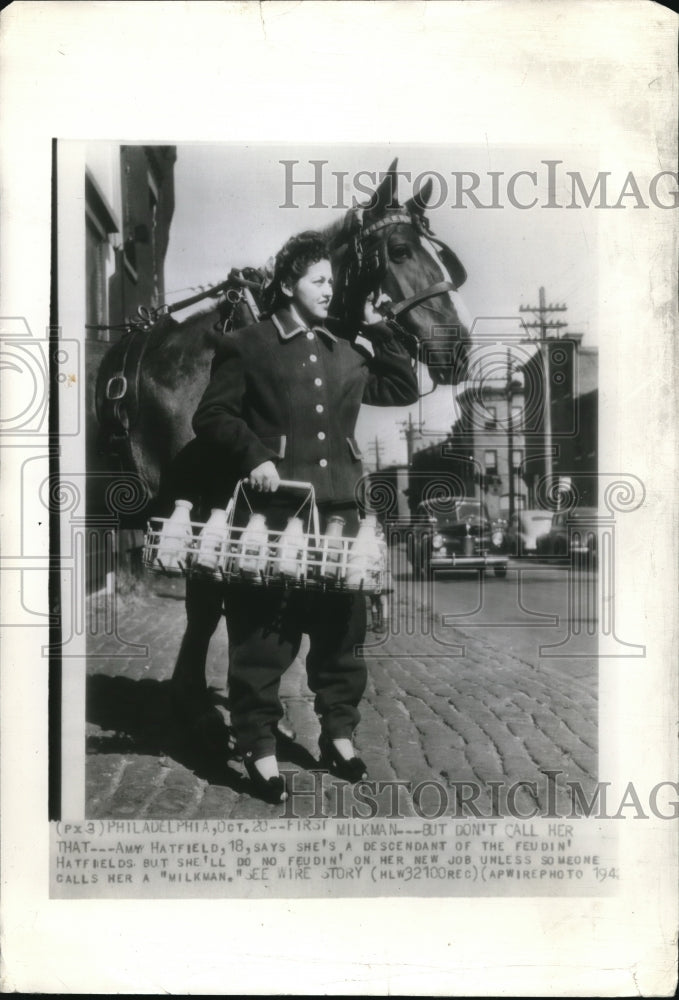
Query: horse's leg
x=194 y=475
x=203 y=611
x=184 y=478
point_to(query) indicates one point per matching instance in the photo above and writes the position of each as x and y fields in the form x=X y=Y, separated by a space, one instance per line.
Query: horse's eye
x=399 y=252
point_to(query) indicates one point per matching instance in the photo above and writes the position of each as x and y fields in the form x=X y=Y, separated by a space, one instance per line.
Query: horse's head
x=390 y=247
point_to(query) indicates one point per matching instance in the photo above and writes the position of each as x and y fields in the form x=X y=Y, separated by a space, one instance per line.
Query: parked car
x=524 y=529
x=457 y=533
x=571 y=535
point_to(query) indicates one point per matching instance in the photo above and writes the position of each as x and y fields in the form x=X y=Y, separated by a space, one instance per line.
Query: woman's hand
x=374 y=308
x=265 y=478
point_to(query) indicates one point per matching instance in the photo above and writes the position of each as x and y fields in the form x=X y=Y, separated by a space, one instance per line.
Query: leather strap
x=439 y=288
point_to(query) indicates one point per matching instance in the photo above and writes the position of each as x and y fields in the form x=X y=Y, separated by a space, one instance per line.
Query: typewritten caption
x=309 y=857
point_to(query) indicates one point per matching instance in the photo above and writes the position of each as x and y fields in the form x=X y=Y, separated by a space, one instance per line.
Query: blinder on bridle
x=366 y=268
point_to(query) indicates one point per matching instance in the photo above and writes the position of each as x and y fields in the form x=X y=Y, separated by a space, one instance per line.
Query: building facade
x=484 y=454
x=129 y=204
x=500 y=446
x=570 y=436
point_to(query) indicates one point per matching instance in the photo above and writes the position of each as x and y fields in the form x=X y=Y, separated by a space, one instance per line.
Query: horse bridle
x=447 y=260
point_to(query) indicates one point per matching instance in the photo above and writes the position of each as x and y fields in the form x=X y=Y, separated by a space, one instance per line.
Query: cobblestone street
x=443 y=705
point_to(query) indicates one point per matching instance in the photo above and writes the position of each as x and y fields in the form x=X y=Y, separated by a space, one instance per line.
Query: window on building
x=95 y=264
x=490 y=460
x=517 y=459
x=491 y=417
x=517 y=417
x=130 y=186
x=99 y=224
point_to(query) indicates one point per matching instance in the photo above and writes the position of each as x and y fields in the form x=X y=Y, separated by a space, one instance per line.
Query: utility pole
x=510 y=435
x=376 y=445
x=544 y=325
x=409 y=431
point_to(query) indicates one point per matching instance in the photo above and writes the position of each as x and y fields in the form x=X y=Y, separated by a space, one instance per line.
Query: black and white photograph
x=454 y=441
x=338 y=545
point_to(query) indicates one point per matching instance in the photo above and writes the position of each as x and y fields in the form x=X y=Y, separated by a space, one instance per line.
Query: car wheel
x=500 y=571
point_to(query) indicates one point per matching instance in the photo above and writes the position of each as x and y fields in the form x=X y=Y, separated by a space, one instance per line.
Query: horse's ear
x=386 y=194
x=418 y=202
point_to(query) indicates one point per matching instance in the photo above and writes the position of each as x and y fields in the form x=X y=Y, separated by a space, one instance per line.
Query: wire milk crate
x=252 y=555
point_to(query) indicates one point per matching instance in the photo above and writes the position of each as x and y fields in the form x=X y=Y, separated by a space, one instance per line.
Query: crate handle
x=286 y=484
x=292 y=484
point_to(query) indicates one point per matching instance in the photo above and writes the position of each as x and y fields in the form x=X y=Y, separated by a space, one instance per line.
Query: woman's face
x=311 y=294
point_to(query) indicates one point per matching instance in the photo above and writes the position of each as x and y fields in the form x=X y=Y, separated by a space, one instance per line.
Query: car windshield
x=464 y=510
x=447 y=508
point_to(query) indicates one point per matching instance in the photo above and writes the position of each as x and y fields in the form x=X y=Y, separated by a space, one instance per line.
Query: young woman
x=282 y=403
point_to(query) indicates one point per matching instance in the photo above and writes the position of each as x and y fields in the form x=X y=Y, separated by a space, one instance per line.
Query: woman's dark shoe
x=352 y=769
x=272 y=790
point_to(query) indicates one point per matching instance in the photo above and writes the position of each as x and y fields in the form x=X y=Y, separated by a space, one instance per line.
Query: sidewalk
x=441 y=706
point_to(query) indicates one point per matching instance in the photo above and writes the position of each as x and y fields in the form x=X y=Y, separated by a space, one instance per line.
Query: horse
x=150 y=383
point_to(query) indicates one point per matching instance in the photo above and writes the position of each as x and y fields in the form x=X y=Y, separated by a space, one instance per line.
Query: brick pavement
x=463 y=711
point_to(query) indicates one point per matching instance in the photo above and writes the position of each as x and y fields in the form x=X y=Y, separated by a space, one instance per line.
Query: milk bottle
x=331 y=565
x=175 y=536
x=290 y=548
x=212 y=540
x=364 y=556
x=254 y=546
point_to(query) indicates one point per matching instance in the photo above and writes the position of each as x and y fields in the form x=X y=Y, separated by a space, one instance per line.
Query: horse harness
x=117 y=390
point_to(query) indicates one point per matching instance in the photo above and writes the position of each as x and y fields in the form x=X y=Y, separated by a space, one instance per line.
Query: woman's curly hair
x=292 y=261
